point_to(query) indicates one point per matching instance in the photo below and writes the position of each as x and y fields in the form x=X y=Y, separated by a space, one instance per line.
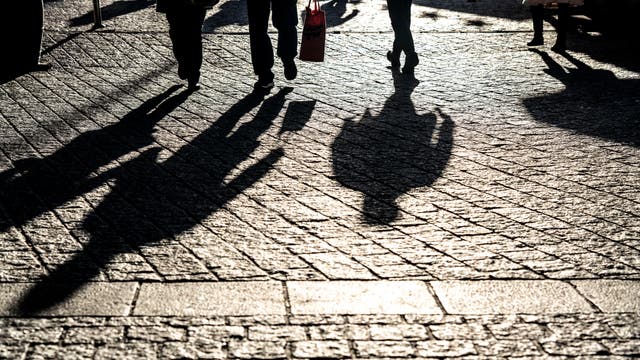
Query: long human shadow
x=506 y=9
x=36 y=185
x=594 y=102
x=336 y=12
x=113 y=10
x=297 y=115
x=619 y=51
x=230 y=12
x=153 y=200
x=386 y=155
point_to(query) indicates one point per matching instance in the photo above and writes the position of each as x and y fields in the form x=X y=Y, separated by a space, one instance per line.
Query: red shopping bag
x=313 y=33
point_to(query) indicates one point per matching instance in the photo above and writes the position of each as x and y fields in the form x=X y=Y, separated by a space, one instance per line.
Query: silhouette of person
x=185 y=29
x=167 y=197
x=537 y=15
x=23 y=50
x=400 y=14
x=386 y=155
x=34 y=181
x=285 y=19
x=599 y=103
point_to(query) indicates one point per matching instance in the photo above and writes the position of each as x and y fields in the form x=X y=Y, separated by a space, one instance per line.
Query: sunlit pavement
x=488 y=209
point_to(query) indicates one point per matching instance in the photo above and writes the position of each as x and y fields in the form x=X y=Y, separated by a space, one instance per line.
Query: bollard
x=97 y=15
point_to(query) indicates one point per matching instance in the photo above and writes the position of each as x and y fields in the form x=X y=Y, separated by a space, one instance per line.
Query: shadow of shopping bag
x=313 y=33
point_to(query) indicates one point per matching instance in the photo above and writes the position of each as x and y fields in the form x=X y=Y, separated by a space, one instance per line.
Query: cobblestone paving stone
x=514 y=165
x=331 y=337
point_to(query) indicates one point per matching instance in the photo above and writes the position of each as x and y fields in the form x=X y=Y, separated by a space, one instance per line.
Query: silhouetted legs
x=285 y=19
x=23 y=50
x=400 y=14
x=185 y=30
x=537 y=15
x=563 y=24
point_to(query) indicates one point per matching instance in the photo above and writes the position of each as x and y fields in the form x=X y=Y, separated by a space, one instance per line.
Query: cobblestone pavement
x=327 y=337
x=499 y=163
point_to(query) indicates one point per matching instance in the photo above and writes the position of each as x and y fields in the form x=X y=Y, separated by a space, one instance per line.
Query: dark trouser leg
x=185 y=30
x=29 y=45
x=285 y=19
x=563 y=24
x=400 y=14
x=261 y=48
x=537 y=15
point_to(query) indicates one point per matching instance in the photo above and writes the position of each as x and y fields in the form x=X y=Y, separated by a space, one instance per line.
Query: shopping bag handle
x=316 y=3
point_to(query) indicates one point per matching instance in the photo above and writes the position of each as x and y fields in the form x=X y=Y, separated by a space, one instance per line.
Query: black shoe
x=536 y=41
x=193 y=84
x=290 y=69
x=41 y=66
x=264 y=83
x=394 y=59
x=410 y=63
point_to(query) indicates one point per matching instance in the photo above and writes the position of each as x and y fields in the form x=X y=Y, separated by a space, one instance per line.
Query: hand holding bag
x=313 y=33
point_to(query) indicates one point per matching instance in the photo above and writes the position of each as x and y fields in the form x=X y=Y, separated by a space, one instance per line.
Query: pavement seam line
x=433 y=293
x=134 y=300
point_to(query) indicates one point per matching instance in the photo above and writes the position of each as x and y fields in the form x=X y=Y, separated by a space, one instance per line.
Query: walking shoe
x=264 y=83
x=410 y=62
x=290 y=69
x=193 y=83
x=41 y=66
x=394 y=59
x=536 y=41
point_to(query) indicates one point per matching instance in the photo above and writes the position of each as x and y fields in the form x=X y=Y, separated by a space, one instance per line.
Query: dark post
x=97 y=15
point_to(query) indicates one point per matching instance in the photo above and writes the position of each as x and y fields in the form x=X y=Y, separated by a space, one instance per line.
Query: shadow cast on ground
x=155 y=200
x=384 y=156
x=508 y=9
x=230 y=12
x=336 y=12
x=37 y=185
x=594 y=102
x=113 y=10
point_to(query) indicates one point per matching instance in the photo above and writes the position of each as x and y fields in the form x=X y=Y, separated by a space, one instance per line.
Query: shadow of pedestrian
x=297 y=115
x=619 y=51
x=386 y=155
x=113 y=10
x=35 y=185
x=154 y=200
x=335 y=11
x=506 y=9
x=230 y=12
x=594 y=102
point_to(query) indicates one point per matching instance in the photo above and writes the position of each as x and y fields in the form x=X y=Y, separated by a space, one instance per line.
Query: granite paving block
x=93 y=299
x=509 y=297
x=361 y=297
x=611 y=295
x=202 y=299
